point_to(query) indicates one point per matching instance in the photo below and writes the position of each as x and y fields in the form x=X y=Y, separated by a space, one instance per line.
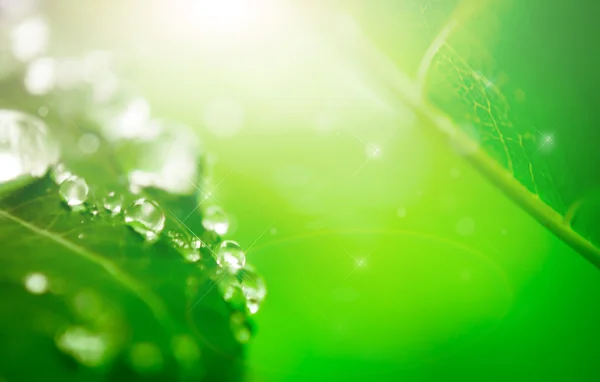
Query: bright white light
x=36 y=283
x=41 y=76
x=30 y=38
x=224 y=117
x=225 y=16
x=10 y=166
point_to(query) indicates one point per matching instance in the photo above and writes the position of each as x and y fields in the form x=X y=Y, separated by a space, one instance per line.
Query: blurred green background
x=385 y=255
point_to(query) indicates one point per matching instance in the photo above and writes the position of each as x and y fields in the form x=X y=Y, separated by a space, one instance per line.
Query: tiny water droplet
x=81 y=236
x=401 y=212
x=60 y=173
x=26 y=147
x=36 y=283
x=239 y=327
x=215 y=220
x=113 y=203
x=230 y=256
x=74 y=191
x=145 y=358
x=253 y=287
x=273 y=231
x=146 y=218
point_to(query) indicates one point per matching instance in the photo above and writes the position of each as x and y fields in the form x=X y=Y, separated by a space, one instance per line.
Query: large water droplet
x=88 y=348
x=230 y=256
x=74 y=191
x=60 y=173
x=26 y=148
x=253 y=287
x=145 y=357
x=215 y=220
x=146 y=218
x=113 y=203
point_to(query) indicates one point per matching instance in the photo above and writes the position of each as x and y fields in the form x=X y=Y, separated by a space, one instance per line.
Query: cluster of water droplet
x=155 y=154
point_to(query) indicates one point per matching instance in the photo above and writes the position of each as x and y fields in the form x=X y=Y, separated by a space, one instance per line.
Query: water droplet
x=465 y=226
x=40 y=77
x=60 y=173
x=187 y=246
x=224 y=117
x=113 y=203
x=88 y=143
x=239 y=327
x=145 y=358
x=215 y=220
x=230 y=256
x=230 y=288
x=253 y=287
x=273 y=231
x=30 y=38
x=401 y=212
x=88 y=348
x=36 y=283
x=80 y=236
x=26 y=148
x=74 y=191
x=146 y=218
x=185 y=350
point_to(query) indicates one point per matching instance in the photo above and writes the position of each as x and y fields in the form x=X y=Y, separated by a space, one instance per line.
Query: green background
x=507 y=302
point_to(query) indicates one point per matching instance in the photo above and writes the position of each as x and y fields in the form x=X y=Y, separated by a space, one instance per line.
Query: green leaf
x=87 y=297
x=485 y=117
x=458 y=90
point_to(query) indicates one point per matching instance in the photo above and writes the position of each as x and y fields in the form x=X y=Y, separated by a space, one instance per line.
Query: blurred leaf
x=489 y=124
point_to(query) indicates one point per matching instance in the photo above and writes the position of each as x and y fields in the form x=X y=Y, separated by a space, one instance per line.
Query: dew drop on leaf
x=36 y=283
x=253 y=287
x=230 y=256
x=215 y=220
x=146 y=218
x=113 y=203
x=74 y=191
x=188 y=247
x=145 y=358
x=26 y=148
x=60 y=173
